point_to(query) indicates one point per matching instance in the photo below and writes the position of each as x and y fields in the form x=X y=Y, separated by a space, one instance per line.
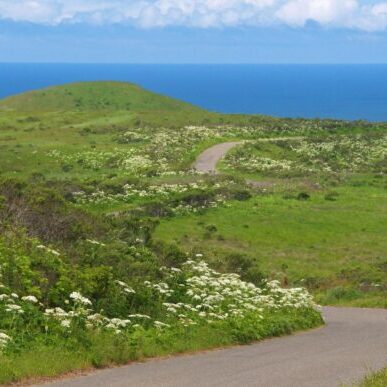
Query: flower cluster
x=126 y=160
x=131 y=192
x=10 y=304
x=191 y=294
x=205 y=294
x=125 y=287
x=312 y=155
x=258 y=164
x=342 y=153
x=184 y=208
x=4 y=340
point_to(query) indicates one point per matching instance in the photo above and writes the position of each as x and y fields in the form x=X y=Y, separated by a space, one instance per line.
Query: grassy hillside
x=319 y=220
x=102 y=216
x=88 y=96
x=334 y=247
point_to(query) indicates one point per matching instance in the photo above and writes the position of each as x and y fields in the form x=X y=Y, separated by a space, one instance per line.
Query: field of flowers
x=165 y=151
x=312 y=156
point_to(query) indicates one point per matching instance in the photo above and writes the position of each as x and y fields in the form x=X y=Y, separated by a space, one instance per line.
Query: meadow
x=113 y=248
x=319 y=220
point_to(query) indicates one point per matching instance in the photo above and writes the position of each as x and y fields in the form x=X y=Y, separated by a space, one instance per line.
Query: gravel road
x=353 y=342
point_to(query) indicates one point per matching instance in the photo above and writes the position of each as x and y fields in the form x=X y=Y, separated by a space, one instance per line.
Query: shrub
x=331 y=196
x=303 y=196
x=211 y=228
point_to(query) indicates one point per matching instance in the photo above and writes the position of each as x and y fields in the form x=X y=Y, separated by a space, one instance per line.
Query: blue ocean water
x=310 y=91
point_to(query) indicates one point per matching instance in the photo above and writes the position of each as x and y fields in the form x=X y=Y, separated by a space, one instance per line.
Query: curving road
x=353 y=342
x=207 y=161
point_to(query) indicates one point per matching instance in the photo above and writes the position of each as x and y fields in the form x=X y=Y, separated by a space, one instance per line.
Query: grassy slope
x=324 y=244
x=327 y=244
x=81 y=117
x=78 y=116
x=93 y=96
x=33 y=123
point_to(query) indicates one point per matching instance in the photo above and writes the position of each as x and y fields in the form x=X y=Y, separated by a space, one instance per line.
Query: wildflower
x=42 y=247
x=14 y=308
x=31 y=299
x=4 y=337
x=77 y=297
x=144 y=316
x=65 y=323
x=4 y=340
x=127 y=289
x=160 y=325
x=94 y=242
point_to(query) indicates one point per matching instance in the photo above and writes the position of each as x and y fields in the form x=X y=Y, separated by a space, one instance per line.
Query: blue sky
x=194 y=31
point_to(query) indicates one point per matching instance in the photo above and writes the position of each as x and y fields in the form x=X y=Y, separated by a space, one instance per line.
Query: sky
x=193 y=31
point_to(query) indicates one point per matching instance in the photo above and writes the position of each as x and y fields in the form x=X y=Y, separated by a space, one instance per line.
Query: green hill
x=89 y=96
x=100 y=210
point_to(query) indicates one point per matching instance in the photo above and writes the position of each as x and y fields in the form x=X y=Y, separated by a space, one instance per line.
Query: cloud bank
x=366 y=15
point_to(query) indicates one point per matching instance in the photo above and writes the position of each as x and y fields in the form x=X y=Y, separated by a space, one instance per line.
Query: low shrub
x=190 y=306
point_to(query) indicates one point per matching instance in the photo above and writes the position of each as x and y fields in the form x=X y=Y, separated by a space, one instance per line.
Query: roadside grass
x=103 y=350
x=378 y=379
x=334 y=247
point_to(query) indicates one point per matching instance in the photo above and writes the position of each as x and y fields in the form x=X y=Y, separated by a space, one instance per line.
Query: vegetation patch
x=113 y=248
x=190 y=307
x=378 y=379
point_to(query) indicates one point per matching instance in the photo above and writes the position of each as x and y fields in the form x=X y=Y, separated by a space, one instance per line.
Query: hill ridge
x=94 y=95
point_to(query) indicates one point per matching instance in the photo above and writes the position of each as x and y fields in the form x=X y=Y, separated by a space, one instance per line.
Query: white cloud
x=373 y=17
x=369 y=15
x=298 y=12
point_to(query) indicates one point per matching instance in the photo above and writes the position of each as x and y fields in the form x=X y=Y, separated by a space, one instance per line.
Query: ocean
x=312 y=91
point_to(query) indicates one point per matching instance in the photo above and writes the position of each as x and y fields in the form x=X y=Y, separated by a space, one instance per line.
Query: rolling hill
x=102 y=212
x=91 y=96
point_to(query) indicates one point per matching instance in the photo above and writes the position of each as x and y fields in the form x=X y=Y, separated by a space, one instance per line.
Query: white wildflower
x=31 y=299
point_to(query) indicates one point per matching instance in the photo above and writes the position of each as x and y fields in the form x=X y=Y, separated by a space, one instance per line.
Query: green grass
x=336 y=248
x=378 y=379
x=333 y=247
x=104 y=350
x=333 y=243
x=93 y=96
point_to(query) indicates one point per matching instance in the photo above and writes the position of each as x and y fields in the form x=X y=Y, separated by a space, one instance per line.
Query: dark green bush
x=303 y=196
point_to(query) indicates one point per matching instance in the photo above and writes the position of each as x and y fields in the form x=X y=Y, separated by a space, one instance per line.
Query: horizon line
x=197 y=64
